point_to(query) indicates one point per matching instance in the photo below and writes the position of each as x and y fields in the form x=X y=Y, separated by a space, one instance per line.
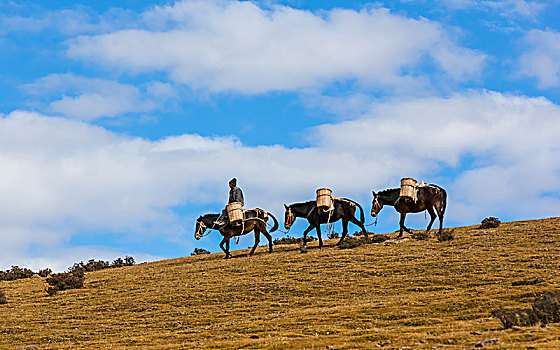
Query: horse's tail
x=443 y=199
x=275 y=227
x=362 y=218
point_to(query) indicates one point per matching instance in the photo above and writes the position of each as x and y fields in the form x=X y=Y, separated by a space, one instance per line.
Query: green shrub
x=128 y=261
x=293 y=240
x=44 y=272
x=378 y=238
x=445 y=235
x=199 y=251
x=15 y=273
x=420 y=235
x=332 y=235
x=3 y=299
x=545 y=309
x=351 y=242
x=490 y=222
x=65 y=280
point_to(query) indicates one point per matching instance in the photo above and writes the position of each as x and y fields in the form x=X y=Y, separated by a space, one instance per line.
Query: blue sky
x=122 y=122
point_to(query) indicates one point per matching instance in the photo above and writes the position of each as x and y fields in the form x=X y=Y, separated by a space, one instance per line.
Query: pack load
x=324 y=199
x=409 y=189
x=235 y=212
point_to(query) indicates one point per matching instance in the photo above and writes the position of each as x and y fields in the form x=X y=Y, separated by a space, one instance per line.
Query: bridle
x=290 y=219
x=376 y=208
x=202 y=228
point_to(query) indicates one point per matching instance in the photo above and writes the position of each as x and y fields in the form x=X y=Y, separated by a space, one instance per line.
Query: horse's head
x=200 y=228
x=376 y=205
x=289 y=217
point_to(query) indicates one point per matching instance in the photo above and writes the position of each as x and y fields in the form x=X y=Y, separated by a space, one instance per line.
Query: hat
x=233 y=182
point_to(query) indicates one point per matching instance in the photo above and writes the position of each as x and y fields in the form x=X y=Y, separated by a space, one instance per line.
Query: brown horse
x=429 y=198
x=344 y=209
x=254 y=220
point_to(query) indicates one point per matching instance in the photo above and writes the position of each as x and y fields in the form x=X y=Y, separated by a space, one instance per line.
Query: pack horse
x=319 y=212
x=253 y=220
x=431 y=197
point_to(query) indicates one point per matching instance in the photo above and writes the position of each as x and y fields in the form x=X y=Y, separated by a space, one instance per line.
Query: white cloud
x=238 y=46
x=67 y=22
x=504 y=149
x=505 y=8
x=91 y=98
x=542 y=58
x=61 y=177
x=516 y=8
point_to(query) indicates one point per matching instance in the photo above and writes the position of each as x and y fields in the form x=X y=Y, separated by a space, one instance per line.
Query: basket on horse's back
x=408 y=188
x=235 y=212
x=324 y=199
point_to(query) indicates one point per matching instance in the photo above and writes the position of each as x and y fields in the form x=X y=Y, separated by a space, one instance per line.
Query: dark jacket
x=236 y=195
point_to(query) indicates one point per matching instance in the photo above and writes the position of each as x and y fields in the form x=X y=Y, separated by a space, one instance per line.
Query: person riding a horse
x=235 y=195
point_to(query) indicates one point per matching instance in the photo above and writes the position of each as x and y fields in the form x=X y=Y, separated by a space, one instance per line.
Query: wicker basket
x=324 y=198
x=235 y=211
x=408 y=188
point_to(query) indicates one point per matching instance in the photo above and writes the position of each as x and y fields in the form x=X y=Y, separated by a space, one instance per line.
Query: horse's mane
x=206 y=216
x=301 y=204
x=388 y=191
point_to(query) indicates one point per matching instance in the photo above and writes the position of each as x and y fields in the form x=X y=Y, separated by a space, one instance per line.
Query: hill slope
x=417 y=294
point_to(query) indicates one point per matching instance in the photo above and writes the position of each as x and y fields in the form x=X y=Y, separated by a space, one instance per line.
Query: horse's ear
x=373 y=192
x=285 y=206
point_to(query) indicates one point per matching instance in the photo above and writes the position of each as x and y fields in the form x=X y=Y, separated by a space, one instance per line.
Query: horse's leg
x=257 y=240
x=432 y=218
x=228 y=255
x=318 y=228
x=401 y=224
x=359 y=224
x=440 y=216
x=269 y=237
x=222 y=246
x=309 y=228
x=344 y=230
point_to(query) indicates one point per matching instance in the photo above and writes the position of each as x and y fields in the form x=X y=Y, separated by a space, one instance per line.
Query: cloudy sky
x=121 y=122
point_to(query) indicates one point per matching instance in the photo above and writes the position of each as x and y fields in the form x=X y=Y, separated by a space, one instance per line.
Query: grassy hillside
x=415 y=294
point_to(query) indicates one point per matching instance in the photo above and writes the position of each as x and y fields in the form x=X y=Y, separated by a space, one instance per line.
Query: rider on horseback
x=235 y=195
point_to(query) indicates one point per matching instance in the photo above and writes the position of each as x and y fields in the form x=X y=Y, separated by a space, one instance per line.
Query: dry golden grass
x=415 y=294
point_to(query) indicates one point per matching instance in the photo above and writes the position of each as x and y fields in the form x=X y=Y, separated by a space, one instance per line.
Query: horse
x=430 y=197
x=254 y=220
x=344 y=209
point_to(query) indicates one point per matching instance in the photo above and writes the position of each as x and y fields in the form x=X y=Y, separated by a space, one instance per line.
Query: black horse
x=429 y=198
x=344 y=209
x=254 y=220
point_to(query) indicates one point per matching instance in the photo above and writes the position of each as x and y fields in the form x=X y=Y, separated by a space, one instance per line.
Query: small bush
x=3 y=299
x=332 y=235
x=129 y=261
x=545 y=309
x=490 y=222
x=515 y=317
x=378 y=238
x=527 y=282
x=445 y=235
x=66 y=280
x=351 y=242
x=420 y=235
x=91 y=265
x=95 y=265
x=44 y=272
x=15 y=273
x=199 y=251
x=293 y=240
